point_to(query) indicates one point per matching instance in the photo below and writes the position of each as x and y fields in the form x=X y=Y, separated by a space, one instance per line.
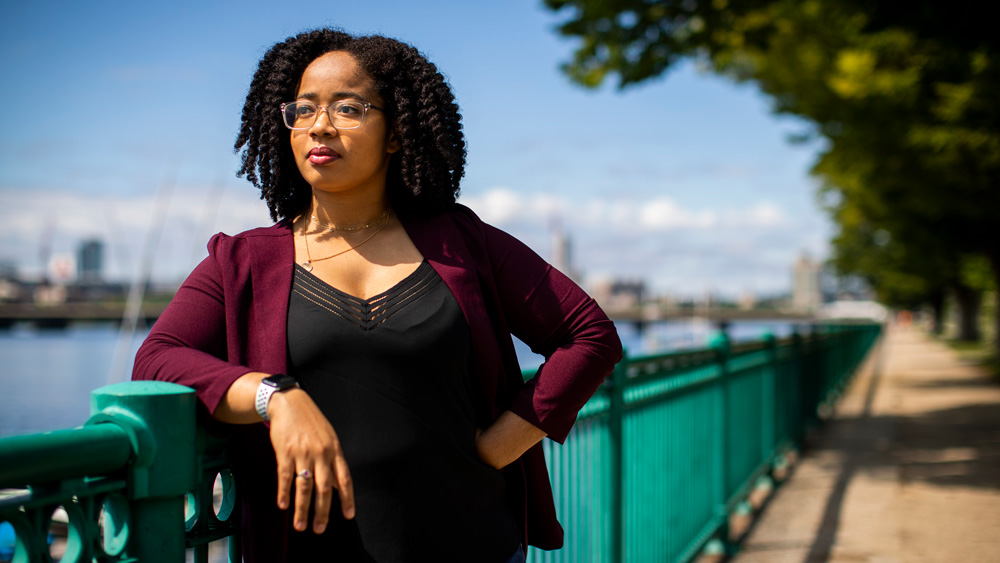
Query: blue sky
x=692 y=187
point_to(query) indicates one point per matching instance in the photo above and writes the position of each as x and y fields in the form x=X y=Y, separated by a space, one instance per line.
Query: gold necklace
x=352 y=228
x=305 y=235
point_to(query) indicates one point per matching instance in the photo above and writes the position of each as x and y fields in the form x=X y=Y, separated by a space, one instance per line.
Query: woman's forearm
x=237 y=406
x=506 y=440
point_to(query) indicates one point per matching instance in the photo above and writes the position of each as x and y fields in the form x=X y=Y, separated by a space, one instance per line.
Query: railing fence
x=659 y=461
x=672 y=446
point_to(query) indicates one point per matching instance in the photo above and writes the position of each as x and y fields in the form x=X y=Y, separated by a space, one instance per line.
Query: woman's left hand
x=506 y=439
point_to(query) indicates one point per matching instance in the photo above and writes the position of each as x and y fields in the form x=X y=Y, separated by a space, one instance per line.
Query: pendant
x=308 y=266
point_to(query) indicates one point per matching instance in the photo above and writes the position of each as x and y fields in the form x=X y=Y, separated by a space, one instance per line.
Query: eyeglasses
x=345 y=114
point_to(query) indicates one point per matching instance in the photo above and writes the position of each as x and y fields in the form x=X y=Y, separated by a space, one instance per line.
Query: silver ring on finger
x=304 y=474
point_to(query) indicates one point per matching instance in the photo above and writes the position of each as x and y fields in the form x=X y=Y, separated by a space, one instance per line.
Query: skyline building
x=562 y=252
x=806 y=293
x=90 y=261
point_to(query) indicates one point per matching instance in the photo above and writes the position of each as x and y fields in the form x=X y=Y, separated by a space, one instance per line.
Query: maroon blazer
x=229 y=318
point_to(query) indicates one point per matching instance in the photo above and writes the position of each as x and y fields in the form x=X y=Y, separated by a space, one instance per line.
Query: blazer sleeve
x=187 y=345
x=558 y=320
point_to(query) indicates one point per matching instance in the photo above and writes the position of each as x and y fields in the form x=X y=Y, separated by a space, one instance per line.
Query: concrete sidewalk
x=908 y=470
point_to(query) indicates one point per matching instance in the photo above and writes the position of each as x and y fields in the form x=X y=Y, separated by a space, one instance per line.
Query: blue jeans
x=518 y=556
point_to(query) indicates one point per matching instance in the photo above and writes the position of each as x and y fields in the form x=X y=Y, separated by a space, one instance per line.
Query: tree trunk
x=994 y=258
x=969 y=302
x=937 y=307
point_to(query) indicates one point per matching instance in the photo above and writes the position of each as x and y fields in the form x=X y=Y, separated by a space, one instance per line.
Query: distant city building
x=618 y=293
x=50 y=295
x=708 y=299
x=90 y=261
x=8 y=270
x=631 y=291
x=667 y=300
x=806 y=294
x=562 y=253
x=747 y=301
x=9 y=291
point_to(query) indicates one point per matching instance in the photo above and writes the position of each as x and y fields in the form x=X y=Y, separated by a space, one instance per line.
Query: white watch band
x=263 y=399
x=264 y=393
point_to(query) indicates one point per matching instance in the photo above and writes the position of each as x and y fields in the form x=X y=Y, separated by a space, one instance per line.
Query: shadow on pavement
x=957 y=446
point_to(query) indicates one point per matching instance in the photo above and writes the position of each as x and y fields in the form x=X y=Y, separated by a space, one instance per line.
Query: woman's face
x=348 y=161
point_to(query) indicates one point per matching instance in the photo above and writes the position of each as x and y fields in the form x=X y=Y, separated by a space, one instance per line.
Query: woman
x=402 y=430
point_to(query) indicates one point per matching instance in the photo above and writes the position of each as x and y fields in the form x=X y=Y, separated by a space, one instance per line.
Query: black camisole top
x=392 y=375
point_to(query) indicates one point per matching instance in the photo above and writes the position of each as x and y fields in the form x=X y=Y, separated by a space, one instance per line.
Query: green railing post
x=720 y=344
x=768 y=399
x=798 y=358
x=812 y=377
x=616 y=430
x=160 y=420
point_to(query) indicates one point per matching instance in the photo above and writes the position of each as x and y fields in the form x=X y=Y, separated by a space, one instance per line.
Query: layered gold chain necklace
x=383 y=219
x=352 y=228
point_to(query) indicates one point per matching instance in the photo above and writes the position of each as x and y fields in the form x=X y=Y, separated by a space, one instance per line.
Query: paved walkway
x=908 y=470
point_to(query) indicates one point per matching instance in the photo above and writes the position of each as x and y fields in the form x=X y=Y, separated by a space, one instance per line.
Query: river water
x=46 y=376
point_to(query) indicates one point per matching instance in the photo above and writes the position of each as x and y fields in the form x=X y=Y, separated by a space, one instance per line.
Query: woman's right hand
x=304 y=441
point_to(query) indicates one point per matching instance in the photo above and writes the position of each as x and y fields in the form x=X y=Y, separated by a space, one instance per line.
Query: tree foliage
x=903 y=94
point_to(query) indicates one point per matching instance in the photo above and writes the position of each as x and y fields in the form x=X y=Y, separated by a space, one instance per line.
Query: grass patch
x=965 y=346
x=976 y=354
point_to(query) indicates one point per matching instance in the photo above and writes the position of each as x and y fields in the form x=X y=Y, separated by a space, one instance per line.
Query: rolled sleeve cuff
x=535 y=410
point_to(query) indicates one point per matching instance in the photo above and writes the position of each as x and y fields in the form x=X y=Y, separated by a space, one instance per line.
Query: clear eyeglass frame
x=288 y=111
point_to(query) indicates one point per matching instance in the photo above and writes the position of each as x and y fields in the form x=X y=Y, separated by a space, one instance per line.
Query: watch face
x=280 y=381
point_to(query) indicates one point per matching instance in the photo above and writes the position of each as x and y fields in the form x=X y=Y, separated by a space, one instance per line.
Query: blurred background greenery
x=903 y=96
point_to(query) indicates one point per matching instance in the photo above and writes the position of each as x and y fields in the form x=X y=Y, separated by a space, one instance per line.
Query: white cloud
x=503 y=206
x=675 y=248
x=763 y=214
x=61 y=219
x=499 y=205
x=664 y=214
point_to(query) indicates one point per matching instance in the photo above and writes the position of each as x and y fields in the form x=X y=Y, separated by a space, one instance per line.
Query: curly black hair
x=423 y=176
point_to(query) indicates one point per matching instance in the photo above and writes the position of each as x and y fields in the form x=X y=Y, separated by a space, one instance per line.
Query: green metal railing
x=135 y=482
x=673 y=444
x=657 y=462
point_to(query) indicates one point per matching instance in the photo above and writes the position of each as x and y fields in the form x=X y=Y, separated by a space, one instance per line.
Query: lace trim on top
x=366 y=314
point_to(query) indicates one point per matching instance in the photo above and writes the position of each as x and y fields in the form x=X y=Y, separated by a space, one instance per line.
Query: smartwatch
x=269 y=386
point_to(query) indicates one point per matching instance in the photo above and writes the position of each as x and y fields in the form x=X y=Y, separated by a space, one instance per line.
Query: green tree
x=902 y=93
x=907 y=269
